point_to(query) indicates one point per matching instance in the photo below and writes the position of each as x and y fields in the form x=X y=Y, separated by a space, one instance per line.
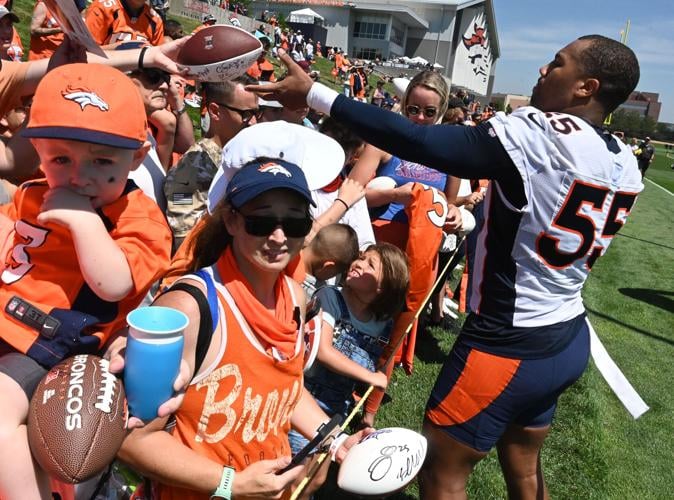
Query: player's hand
x=379 y=380
x=453 y=221
x=260 y=479
x=164 y=57
x=65 y=207
x=351 y=191
x=292 y=91
x=115 y=354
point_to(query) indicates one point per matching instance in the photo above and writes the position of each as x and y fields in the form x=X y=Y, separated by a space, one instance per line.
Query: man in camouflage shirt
x=230 y=108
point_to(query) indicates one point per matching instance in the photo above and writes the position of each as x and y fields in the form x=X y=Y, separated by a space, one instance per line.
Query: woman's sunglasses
x=415 y=110
x=262 y=225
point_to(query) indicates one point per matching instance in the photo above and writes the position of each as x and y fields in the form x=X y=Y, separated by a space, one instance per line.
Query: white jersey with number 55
x=580 y=184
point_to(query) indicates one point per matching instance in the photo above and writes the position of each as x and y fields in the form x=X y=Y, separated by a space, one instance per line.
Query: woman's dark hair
x=615 y=66
x=212 y=238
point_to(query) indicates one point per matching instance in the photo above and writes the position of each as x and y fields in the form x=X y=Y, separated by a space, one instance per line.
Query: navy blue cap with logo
x=260 y=176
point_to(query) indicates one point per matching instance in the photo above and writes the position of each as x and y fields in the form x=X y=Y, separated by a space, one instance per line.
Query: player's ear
x=139 y=155
x=589 y=87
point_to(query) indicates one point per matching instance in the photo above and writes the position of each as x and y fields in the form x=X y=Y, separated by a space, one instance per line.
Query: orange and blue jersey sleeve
x=142 y=233
x=98 y=22
x=158 y=33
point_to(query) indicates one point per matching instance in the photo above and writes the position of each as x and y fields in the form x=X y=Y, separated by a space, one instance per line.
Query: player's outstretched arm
x=461 y=151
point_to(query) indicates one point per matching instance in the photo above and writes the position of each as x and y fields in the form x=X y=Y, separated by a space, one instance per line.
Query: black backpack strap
x=206 y=326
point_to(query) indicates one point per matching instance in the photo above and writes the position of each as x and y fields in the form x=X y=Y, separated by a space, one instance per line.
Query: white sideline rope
x=615 y=378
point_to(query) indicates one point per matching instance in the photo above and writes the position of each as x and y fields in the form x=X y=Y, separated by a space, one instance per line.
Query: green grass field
x=596 y=450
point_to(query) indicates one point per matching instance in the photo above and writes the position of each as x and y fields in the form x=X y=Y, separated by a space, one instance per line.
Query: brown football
x=76 y=418
x=217 y=43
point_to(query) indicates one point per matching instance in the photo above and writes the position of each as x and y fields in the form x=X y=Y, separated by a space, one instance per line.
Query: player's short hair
x=337 y=243
x=395 y=281
x=615 y=66
x=432 y=80
x=222 y=92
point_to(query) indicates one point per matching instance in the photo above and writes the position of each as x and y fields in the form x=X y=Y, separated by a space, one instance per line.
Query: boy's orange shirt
x=41 y=264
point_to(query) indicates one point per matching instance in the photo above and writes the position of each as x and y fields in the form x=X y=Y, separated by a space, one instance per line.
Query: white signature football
x=382 y=462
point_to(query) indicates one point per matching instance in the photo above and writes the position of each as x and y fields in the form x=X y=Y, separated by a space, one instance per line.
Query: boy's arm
x=102 y=262
x=339 y=363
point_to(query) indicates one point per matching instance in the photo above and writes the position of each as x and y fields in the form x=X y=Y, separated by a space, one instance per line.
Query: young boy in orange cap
x=82 y=246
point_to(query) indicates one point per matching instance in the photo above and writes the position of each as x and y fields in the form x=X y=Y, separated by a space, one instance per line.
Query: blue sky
x=531 y=31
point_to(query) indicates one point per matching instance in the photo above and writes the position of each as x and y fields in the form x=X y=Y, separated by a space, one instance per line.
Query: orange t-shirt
x=43 y=46
x=41 y=264
x=239 y=411
x=110 y=23
x=12 y=79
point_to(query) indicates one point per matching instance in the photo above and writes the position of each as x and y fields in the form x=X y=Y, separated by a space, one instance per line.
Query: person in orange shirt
x=11 y=48
x=83 y=245
x=45 y=33
x=112 y=21
x=258 y=218
x=262 y=69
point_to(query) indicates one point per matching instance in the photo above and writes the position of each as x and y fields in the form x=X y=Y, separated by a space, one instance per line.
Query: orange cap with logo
x=88 y=103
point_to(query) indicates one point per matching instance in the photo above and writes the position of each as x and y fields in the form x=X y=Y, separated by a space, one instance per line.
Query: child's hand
x=64 y=207
x=379 y=380
x=351 y=191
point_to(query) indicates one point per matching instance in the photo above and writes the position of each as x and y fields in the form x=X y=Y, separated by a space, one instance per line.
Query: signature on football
x=383 y=463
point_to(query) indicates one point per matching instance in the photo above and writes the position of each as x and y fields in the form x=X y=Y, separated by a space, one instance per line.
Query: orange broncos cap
x=88 y=103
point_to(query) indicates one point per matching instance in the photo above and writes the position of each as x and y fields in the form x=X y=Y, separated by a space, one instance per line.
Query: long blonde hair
x=434 y=81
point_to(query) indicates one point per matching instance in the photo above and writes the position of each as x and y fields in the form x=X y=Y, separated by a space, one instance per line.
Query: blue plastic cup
x=153 y=352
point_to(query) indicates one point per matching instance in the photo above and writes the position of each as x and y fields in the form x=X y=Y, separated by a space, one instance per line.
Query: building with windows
x=644 y=104
x=458 y=37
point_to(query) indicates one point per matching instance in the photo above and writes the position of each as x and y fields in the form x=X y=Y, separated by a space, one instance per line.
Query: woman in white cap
x=243 y=346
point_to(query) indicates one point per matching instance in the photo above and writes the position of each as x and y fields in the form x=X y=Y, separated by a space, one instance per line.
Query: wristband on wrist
x=337 y=443
x=141 y=56
x=180 y=111
x=224 y=490
x=346 y=205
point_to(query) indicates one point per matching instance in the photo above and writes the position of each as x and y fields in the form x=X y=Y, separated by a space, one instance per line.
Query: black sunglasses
x=245 y=114
x=262 y=225
x=415 y=110
x=156 y=76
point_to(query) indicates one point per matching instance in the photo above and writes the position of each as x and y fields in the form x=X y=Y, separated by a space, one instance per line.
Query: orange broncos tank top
x=237 y=411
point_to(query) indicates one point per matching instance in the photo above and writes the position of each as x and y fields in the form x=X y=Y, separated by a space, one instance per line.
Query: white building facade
x=459 y=35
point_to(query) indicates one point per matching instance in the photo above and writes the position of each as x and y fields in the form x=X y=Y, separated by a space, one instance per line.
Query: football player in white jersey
x=561 y=188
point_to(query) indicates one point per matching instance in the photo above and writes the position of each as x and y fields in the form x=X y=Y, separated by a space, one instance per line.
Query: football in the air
x=77 y=418
x=219 y=53
x=382 y=462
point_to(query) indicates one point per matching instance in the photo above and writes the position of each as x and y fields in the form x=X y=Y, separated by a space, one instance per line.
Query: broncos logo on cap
x=274 y=168
x=85 y=98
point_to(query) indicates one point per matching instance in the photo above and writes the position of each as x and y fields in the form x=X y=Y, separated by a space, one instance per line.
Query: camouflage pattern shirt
x=186 y=186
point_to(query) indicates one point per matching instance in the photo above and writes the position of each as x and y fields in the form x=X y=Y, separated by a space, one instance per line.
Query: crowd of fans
x=261 y=223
